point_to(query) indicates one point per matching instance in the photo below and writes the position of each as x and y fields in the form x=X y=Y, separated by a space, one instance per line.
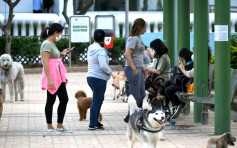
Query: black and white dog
x=11 y=73
x=146 y=125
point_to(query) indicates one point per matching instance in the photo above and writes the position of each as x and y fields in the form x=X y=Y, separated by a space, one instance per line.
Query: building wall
x=26 y=6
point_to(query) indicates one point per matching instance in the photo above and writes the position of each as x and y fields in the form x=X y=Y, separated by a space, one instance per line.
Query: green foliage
x=116 y=54
x=24 y=46
x=29 y=49
x=233 y=57
x=233 y=52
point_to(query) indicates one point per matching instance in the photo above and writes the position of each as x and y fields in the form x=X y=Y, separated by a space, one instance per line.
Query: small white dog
x=13 y=74
x=146 y=126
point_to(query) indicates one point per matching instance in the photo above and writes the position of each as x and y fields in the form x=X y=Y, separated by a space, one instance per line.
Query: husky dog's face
x=6 y=61
x=156 y=118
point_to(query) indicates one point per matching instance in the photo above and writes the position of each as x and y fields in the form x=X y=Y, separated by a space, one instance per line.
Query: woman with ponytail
x=53 y=76
x=134 y=67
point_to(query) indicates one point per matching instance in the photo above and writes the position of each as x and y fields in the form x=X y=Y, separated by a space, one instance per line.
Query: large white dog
x=13 y=74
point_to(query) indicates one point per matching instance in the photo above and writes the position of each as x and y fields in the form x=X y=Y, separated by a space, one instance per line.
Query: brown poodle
x=83 y=103
x=1 y=106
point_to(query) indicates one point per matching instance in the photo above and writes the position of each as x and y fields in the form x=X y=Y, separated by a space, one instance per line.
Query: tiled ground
x=23 y=123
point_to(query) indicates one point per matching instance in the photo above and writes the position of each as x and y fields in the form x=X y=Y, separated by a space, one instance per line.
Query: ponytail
x=44 y=35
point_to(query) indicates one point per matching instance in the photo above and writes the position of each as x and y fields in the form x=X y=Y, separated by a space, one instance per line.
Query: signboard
x=79 y=29
x=221 y=32
x=109 y=41
x=104 y=22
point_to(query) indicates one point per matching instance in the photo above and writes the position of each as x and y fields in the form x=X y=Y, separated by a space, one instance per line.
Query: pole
x=70 y=55
x=183 y=24
x=200 y=56
x=126 y=21
x=222 y=66
x=169 y=26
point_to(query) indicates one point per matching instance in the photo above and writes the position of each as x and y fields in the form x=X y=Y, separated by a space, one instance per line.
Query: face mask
x=192 y=57
x=58 y=38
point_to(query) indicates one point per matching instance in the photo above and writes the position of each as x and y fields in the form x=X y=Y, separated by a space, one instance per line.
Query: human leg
x=63 y=98
x=98 y=87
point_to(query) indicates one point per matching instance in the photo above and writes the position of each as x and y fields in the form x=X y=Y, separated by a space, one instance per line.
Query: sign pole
x=70 y=56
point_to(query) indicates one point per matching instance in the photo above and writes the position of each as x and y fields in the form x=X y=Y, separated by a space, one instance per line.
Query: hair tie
x=48 y=31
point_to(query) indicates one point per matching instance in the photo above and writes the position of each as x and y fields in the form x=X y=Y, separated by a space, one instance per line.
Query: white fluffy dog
x=13 y=74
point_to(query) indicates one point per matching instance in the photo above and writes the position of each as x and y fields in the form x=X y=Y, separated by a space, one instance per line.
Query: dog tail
x=132 y=104
x=80 y=93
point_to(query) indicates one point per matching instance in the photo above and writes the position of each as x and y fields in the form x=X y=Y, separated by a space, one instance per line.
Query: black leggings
x=63 y=98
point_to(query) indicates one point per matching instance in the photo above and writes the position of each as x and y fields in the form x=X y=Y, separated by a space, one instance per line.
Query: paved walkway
x=23 y=123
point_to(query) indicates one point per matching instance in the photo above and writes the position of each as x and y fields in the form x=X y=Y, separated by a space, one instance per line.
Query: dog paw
x=80 y=119
x=162 y=139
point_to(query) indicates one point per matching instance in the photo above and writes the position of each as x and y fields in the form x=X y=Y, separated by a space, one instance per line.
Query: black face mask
x=102 y=44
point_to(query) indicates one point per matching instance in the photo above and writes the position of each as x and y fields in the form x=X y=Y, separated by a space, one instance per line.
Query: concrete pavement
x=23 y=123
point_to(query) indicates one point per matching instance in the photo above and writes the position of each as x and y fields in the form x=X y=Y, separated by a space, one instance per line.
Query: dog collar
x=115 y=86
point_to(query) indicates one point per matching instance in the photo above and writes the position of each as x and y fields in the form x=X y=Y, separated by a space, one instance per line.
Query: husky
x=146 y=125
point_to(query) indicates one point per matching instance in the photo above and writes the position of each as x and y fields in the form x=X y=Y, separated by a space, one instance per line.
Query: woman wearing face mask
x=53 y=76
x=190 y=73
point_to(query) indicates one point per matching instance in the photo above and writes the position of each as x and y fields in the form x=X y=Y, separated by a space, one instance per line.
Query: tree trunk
x=65 y=11
x=8 y=38
x=7 y=27
x=74 y=7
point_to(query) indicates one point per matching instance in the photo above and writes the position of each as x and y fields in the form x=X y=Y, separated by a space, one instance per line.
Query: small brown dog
x=83 y=103
x=222 y=142
x=1 y=106
x=118 y=83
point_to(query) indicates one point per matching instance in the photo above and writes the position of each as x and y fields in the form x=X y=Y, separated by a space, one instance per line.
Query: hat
x=99 y=35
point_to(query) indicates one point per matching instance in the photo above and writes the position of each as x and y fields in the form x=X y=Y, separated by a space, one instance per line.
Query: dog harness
x=141 y=126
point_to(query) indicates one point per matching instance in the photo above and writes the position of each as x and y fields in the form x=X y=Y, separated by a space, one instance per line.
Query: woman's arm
x=128 y=57
x=103 y=65
x=46 y=56
x=64 y=52
x=153 y=70
x=151 y=54
x=185 y=72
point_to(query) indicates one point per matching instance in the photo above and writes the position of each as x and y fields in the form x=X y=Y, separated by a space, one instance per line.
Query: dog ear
x=0 y=91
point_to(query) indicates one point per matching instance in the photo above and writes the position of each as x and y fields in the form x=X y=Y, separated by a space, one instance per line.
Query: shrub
x=27 y=50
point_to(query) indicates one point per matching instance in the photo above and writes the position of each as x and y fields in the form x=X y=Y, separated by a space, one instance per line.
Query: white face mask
x=192 y=57
x=58 y=38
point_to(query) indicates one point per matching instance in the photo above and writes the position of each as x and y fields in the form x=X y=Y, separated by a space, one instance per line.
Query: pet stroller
x=156 y=98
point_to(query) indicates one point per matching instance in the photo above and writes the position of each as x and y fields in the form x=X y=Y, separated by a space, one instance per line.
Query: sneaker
x=53 y=131
x=64 y=130
x=99 y=124
x=91 y=128
x=176 y=111
x=126 y=119
x=96 y=128
x=99 y=127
